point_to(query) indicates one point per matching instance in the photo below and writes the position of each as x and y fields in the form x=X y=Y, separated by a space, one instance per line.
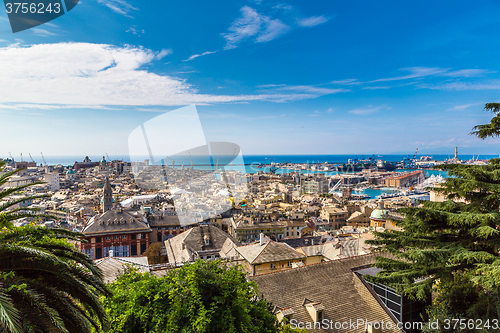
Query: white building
x=53 y=180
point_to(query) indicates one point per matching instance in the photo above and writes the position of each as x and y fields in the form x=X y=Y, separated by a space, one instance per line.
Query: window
x=319 y=316
x=108 y=238
x=289 y=264
x=117 y=237
x=273 y=265
x=98 y=239
x=124 y=236
x=132 y=236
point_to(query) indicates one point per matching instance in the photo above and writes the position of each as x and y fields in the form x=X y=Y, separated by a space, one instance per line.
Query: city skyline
x=272 y=77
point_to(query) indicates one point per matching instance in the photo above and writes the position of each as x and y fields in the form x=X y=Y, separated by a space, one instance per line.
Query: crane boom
x=192 y=165
x=32 y=160
x=171 y=160
x=43 y=158
x=12 y=158
x=216 y=165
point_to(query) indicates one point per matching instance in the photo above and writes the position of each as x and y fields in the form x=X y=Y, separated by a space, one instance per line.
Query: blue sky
x=296 y=77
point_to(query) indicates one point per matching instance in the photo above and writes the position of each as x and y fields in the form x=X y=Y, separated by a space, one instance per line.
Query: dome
x=70 y=172
x=378 y=214
x=103 y=160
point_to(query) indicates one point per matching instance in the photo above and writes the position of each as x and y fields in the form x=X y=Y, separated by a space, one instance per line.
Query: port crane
x=216 y=165
x=12 y=158
x=192 y=164
x=183 y=163
x=335 y=186
x=32 y=160
x=43 y=158
x=171 y=160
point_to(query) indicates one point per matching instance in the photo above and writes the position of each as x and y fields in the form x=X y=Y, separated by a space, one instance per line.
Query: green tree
x=205 y=296
x=451 y=247
x=46 y=284
x=154 y=254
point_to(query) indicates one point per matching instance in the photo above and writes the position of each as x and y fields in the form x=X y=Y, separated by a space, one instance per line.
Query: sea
x=250 y=159
x=249 y=163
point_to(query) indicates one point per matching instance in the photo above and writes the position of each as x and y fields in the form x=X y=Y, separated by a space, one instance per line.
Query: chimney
x=261 y=238
x=110 y=253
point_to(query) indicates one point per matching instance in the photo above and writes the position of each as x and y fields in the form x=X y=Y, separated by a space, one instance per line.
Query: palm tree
x=46 y=284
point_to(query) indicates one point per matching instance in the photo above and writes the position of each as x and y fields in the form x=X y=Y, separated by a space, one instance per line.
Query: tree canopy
x=46 y=284
x=202 y=297
x=451 y=247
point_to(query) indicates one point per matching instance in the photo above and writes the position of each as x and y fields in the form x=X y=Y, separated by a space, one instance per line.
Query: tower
x=107 y=197
x=456 y=152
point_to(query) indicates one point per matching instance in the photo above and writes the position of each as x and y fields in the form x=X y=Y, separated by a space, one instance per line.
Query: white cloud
x=42 y=32
x=368 y=110
x=246 y=26
x=420 y=72
x=163 y=53
x=251 y=24
x=194 y=56
x=274 y=29
x=303 y=89
x=135 y=30
x=467 y=73
x=461 y=86
x=415 y=72
x=312 y=21
x=347 y=82
x=118 y=6
x=377 y=87
x=83 y=74
x=463 y=106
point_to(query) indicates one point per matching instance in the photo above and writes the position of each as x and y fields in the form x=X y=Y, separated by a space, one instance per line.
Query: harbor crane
x=171 y=160
x=192 y=164
x=43 y=158
x=415 y=156
x=183 y=163
x=216 y=165
x=32 y=160
x=107 y=156
x=335 y=186
x=12 y=158
x=21 y=157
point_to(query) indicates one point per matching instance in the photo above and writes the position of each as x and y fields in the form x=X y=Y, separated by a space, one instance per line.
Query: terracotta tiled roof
x=333 y=284
x=112 y=222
